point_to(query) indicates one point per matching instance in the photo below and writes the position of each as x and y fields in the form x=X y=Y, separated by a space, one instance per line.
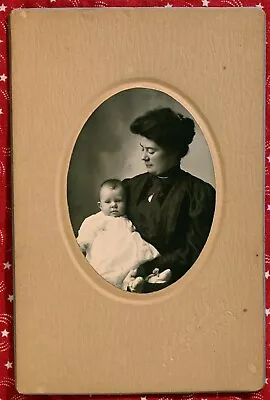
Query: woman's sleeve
x=126 y=184
x=200 y=217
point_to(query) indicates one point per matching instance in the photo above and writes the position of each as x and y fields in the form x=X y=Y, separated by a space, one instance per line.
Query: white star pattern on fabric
x=266 y=381
x=260 y=6
x=267 y=274
x=3 y=78
x=3 y=7
x=7 y=264
x=144 y=398
x=168 y=5
x=8 y=365
x=1 y=111
x=267 y=311
x=205 y=3
x=268 y=207
x=268 y=158
x=52 y=1
x=5 y=333
x=10 y=297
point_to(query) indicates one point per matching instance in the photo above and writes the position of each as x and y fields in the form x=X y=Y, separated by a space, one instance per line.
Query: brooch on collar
x=150 y=198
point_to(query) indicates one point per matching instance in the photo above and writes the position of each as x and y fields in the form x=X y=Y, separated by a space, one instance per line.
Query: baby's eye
x=107 y=201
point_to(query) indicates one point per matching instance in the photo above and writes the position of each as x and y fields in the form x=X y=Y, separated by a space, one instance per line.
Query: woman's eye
x=151 y=152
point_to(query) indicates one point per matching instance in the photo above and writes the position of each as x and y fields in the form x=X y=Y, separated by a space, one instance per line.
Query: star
x=7 y=265
x=52 y=1
x=10 y=297
x=205 y=3
x=266 y=381
x=168 y=5
x=260 y=6
x=1 y=41
x=268 y=158
x=3 y=7
x=268 y=207
x=267 y=311
x=3 y=78
x=1 y=111
x=5 y=333
x=8 y=365
x=267 y=274
x=144 y=398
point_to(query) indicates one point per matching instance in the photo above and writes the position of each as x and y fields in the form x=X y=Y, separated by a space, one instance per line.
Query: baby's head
x=112 y=198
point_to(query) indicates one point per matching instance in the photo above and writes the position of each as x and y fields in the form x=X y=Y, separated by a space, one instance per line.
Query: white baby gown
x=113 y=247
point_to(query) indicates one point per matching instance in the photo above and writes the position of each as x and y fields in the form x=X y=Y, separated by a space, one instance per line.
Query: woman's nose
x=145 y=156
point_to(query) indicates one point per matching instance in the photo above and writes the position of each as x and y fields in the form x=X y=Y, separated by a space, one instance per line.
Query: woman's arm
x=200 y=216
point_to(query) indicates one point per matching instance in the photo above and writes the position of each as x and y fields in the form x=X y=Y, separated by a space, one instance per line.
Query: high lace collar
x=171 y=173
x=166 y=178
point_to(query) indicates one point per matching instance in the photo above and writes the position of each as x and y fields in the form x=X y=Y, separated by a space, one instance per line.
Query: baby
x=111 y=243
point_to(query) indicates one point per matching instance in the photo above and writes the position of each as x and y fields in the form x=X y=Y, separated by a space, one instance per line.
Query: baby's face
x=112 y=201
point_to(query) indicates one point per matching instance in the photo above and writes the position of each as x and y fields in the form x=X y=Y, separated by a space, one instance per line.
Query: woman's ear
x=99 y=205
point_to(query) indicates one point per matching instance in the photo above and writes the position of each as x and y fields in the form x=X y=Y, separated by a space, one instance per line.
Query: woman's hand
x=153 y=282
x=159 y=277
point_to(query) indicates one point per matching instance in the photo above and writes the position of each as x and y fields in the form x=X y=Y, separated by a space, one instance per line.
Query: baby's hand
x=136 y=285
x=132 y=282
x=129 y=278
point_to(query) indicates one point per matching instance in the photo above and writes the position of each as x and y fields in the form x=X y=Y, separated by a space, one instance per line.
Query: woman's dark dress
x=176 y=221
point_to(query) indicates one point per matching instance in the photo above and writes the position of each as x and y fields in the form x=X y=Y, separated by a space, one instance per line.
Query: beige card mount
x=75 y=333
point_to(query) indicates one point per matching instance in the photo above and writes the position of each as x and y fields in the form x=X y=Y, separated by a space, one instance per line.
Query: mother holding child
x=151 y=228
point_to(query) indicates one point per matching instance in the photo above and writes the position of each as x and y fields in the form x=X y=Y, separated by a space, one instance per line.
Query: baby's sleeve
x=88 y=231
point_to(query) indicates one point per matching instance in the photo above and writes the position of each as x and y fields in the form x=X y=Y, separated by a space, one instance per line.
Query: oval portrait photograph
x=141 y=190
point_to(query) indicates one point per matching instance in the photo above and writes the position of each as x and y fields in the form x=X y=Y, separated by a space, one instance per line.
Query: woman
x=172 y=209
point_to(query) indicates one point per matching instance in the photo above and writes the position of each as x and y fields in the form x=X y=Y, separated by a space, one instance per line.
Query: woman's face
x=156 y=159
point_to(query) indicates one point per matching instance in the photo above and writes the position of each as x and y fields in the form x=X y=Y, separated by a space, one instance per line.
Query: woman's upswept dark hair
x=168 y=129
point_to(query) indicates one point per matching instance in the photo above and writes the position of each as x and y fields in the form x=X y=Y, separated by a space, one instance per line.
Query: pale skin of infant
x=112 y=202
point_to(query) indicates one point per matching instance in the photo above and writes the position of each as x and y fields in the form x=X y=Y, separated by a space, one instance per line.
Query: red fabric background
x=7 y=383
